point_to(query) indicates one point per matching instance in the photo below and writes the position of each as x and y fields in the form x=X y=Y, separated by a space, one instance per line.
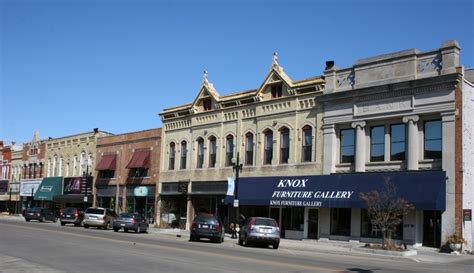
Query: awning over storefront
x=140 y=159
x=49 y=187
x=426 y=190
x=107 y=162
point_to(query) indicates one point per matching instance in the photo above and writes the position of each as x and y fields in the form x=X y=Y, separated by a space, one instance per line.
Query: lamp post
x=237 y=168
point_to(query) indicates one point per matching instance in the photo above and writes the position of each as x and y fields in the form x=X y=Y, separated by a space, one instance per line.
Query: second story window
x=229 y=150
x=397 y=141
x=347 y=146
x=377 y=143
x=433 y=140
x=138 y=173
x=200 y=153
x=207 y=104
x=284 y=145
x=212 y=152
x=249 y=149
x=307 y=144
x=268 y=152
x=172 y=156
x=184 y=154
x=276 y=91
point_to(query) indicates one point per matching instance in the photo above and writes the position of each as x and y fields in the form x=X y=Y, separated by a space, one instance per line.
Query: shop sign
x=467 y=215
x=77 y=185
x=27 y=187
x=141 y=191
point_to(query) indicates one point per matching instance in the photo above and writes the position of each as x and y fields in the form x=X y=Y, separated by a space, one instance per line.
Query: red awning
x=140 y=159
x=107 y=162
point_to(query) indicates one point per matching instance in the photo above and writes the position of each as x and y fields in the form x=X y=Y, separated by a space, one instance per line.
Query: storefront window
x=433 y=140
x=397 y=142
x=307 y=144
x=268 y=156
x=249 y=149
x=370 y=230
x=229 y=150
x=347 y=145
x=341 y=222
x=212 y=152
x=106 y=174
x=200 y=153
x=293 y=218
x=284 y=145
x=377 y=143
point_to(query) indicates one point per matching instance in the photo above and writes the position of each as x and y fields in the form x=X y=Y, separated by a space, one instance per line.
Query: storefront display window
x=341 y=221
x=370 y=230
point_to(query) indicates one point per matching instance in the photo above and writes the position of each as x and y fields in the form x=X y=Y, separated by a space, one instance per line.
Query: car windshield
x=206 y=218
x=127 y=215
x=69 y=210
x=95 y=211
x=265 y=222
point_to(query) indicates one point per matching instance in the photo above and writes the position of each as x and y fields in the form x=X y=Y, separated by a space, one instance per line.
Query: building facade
x=15 y=178
x=402 y=113
x=128 y=171
x=69 y=166
x=5 y=169
x=271 y=130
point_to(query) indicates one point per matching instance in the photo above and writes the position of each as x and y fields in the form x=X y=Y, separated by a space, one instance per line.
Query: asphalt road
x=48 y=247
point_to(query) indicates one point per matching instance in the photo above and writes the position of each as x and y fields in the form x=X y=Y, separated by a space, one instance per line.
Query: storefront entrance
x=432 y=228
x=313 y=220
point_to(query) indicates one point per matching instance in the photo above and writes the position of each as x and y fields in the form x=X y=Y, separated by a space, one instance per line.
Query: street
x=49 y=247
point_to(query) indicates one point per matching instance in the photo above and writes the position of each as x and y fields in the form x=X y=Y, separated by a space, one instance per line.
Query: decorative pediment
x=207 y=96
x=274 y=76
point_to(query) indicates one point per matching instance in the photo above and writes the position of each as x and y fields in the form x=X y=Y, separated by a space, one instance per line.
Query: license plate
x=122 y=225
x=92 y=217
x=266 y=230
x=204 y=226
x=68 y=216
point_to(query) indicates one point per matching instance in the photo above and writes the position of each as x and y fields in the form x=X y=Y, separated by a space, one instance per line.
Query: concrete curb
x=411 y=252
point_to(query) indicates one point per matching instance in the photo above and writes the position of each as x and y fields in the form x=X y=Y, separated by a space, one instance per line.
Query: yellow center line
x=184 y=250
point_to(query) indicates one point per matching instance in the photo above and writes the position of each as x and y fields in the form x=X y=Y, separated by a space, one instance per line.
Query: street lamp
x=237 y=168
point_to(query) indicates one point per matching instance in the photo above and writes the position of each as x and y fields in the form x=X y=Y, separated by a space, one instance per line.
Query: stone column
x=360 y=145
x=329 y=149
x=412 y=148
x=448 y=164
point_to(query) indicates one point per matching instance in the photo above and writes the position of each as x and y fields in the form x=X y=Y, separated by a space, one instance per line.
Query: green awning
x=49 y=187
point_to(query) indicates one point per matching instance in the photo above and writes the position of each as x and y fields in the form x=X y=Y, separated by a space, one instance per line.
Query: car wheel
x=77 y=224
x=116 y=229
x=191 y=238
x=42 y=219
x=63 y=224
x=27 y=220
x=86 y=226
x=276 y=245
x=246 y=242
x=125 y=230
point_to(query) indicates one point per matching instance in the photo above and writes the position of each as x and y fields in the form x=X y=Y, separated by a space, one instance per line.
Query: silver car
x=260 y=230
x=99 y=217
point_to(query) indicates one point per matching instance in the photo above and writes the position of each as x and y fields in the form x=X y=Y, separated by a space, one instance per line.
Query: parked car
x=40 y=214
x=72 y=216
x=207 y=226
x=99 y=217
x=130 y=221
x=260 y=230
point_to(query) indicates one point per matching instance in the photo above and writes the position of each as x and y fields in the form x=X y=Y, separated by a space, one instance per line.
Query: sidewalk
x=425 y=254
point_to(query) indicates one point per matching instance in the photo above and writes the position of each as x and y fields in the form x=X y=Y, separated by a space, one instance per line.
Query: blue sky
x=69 y=66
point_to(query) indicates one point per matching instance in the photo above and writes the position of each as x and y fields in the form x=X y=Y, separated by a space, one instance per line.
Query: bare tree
x=386 y=209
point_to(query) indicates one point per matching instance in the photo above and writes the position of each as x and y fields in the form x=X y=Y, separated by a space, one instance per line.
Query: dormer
x=276 y=84
x=207 y=98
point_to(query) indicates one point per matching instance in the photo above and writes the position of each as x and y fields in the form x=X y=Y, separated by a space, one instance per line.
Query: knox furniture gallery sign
x=424 y=189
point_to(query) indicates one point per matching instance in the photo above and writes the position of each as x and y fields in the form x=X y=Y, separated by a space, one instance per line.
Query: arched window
x=74 y=170
x=284 y=145
x=268 y=146
x=249 y=149
x=307 y=144
x=172 y=152
x=89 y=164
x=49 y=168
x=229 y=150
x=68 y=165
x=55 y=169
x=212 y=151
x=82 y=164
x=184 y=154
x=200 y=153
x=60 y=173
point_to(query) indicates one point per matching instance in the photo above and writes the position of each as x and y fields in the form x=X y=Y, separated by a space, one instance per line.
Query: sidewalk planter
x=455 y=246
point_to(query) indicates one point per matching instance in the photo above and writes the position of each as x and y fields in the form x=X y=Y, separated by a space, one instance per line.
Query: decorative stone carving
x=360 y=124
x=384 y=106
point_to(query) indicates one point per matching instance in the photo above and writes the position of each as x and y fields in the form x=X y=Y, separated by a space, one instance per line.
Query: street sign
x=467 y=215
x=236 y=203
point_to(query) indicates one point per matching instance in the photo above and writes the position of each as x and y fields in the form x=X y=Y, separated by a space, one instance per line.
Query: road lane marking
x=201 y=252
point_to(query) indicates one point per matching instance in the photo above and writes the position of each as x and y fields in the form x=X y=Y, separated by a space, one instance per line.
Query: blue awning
x=426 y=190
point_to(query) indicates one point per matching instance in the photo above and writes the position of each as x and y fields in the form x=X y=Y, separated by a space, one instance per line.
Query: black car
x=207 y=226
x=40 y=214
x=130 y=221
x=72 y=216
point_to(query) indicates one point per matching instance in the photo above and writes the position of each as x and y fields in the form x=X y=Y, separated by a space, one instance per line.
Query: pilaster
x=360 y=145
